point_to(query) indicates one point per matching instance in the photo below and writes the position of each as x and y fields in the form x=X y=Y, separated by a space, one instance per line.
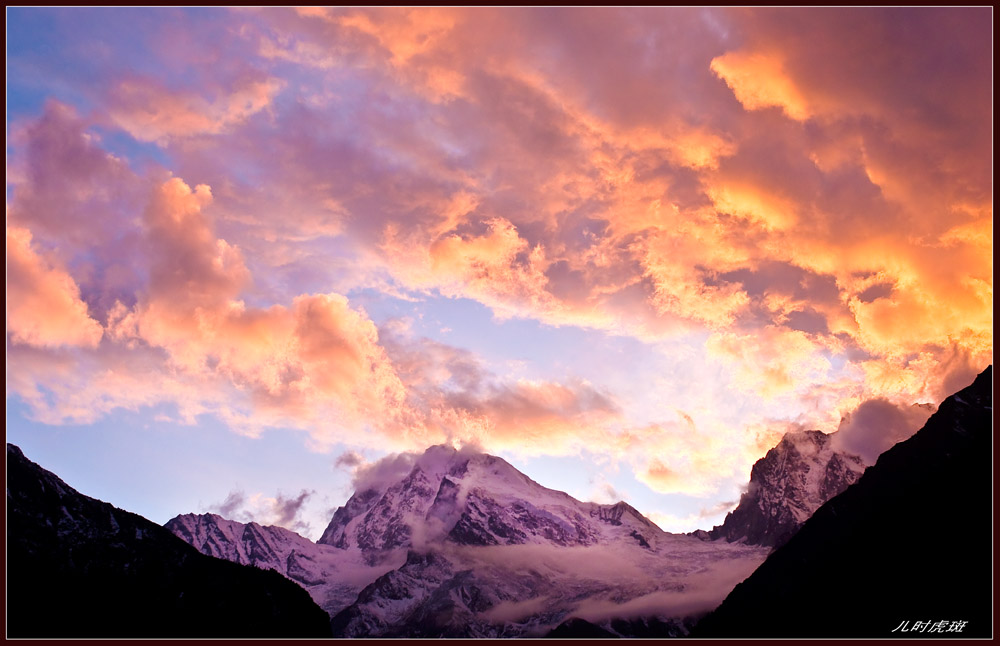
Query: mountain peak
x=787 y=485
x=465 y=496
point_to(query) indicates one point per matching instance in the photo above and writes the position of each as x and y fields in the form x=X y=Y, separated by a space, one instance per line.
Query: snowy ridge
x=332 y=577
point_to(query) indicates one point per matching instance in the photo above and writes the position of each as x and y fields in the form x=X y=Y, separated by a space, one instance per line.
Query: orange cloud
x=460 y=399
x=771 y=362
x=317 y=360
x=692 y=458
x=43 y=302
x=497 y=267
x=318 y=365
x=770 y=211
x=759 y=81
x=410 y=34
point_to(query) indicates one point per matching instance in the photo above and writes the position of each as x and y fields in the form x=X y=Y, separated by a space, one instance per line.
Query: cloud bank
x=807 y=193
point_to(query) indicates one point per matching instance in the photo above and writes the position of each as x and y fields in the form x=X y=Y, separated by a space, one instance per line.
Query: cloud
x=604 y=492
x=284 y=362
x=675 y=457
x=281 y=510
x=513 y=611
x=701 y=592
x=229 y=507
x=470 y=404
x=876 y=425
x=293 y=362
x=772 y=361
x=315 y=359
x=77 y=199
x=803 y=197
x=286 y=508
x=462 y=236
x=350 y=459
x=43 y=302
x=383 y=473
x=759 y=81
x=149 y=111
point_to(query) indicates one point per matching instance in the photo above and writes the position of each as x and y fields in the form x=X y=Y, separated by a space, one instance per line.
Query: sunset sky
x=250 y=252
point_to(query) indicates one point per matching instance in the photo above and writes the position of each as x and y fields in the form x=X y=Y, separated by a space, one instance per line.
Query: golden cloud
x=759 y=81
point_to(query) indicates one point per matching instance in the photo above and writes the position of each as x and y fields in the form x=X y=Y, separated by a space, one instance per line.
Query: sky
x=252 y=252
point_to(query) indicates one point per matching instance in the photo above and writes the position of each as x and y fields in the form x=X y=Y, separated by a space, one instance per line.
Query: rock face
x=79 y=567
x=786 y=486
x=464 y=545
x=909 y=543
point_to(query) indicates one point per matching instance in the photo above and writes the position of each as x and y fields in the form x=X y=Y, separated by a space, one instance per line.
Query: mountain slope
x=786 y=486
x=333 y=577
x=910 y=541
x=79 y=567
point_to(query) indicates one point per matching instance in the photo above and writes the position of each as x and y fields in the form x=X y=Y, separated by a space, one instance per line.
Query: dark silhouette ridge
x=79 y=567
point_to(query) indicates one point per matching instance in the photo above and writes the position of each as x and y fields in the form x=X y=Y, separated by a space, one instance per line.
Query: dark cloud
x=281 y=510
x=876 y=425
x=807 y=320
x=785 y=278
x=229 y=507
x=879 y=290
x=286 y=510
x=349 y=459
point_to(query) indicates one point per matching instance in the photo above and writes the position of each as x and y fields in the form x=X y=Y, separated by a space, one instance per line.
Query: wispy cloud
x=281 y=510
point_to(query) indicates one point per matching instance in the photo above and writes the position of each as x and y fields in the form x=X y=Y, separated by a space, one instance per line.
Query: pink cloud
x=151 y=112
x=316 y=363
x=43 y=302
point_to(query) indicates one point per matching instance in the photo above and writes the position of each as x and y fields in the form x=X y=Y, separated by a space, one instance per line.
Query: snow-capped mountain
x=786 y=486
x=494 y=553
x=466 y=498
x=466 y=545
